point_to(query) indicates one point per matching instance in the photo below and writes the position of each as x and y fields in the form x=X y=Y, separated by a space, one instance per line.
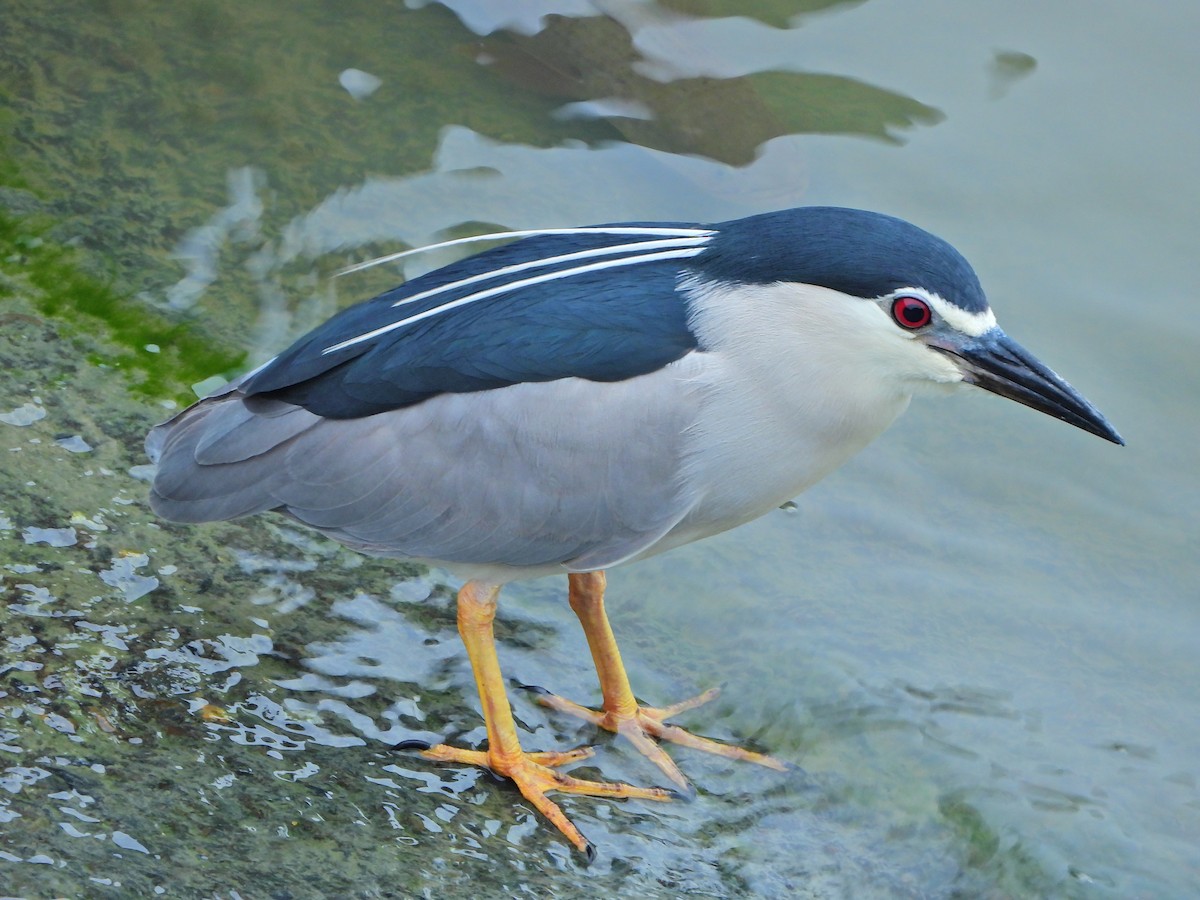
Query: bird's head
x=903 y=300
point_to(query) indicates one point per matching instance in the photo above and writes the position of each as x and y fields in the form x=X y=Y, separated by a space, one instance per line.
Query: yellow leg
x=532 y=772
x=620 y=711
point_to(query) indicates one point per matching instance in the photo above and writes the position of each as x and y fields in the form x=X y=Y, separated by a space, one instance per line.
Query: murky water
x=978 y=642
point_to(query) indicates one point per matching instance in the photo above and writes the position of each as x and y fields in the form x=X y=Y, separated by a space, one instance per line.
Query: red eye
x=910 y=312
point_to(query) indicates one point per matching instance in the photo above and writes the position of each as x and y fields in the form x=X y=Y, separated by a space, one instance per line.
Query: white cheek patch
x=972 y=323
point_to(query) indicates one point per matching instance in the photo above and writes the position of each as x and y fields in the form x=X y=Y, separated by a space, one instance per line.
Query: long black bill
x=997 y=363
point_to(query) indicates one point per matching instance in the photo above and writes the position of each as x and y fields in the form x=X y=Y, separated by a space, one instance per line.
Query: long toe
x=534 y=777
x=645 y=725
x=683 y=737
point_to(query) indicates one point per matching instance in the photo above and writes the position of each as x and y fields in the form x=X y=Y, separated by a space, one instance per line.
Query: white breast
x=796 y=380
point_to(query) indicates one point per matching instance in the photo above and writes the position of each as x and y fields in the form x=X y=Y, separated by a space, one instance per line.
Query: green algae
x=160 y=358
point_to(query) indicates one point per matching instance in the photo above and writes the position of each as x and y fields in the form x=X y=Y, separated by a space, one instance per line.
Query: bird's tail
x=215 y=458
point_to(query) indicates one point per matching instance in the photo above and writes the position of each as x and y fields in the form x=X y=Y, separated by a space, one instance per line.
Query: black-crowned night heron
x=587 y=397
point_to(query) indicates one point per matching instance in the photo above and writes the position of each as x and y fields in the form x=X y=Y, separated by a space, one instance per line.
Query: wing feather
x=473 y=326
x=526 y=476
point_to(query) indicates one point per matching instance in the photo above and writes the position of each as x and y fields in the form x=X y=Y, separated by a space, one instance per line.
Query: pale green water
x=979 y=640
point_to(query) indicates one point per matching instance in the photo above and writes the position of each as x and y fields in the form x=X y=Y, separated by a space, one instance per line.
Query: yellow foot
x=645 y=724
x=534 y=775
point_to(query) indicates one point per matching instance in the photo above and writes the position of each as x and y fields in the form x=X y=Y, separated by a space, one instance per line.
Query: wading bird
x=586 y=397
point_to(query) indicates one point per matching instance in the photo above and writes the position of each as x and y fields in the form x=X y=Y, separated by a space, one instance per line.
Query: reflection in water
x=529 y=16
x=1008 y=67
x=693 y=146
x=725 y=119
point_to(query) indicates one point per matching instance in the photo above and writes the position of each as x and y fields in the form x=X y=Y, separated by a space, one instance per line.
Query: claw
x=687 y=796
x=534 y=776
x=412 y=745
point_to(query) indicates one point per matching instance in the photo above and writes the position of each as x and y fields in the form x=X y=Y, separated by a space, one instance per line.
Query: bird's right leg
x=620 y=711
x=533 y=772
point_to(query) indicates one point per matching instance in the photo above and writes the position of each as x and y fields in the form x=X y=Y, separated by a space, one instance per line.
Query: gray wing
x=571 y=472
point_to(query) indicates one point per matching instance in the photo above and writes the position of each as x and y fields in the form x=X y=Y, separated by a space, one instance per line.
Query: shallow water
x=977 y=641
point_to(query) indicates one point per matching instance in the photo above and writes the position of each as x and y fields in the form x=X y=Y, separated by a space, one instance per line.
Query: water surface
x=978 y=641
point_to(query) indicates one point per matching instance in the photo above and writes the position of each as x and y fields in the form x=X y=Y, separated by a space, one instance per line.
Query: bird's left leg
x=620 y=711
x=534 y=773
